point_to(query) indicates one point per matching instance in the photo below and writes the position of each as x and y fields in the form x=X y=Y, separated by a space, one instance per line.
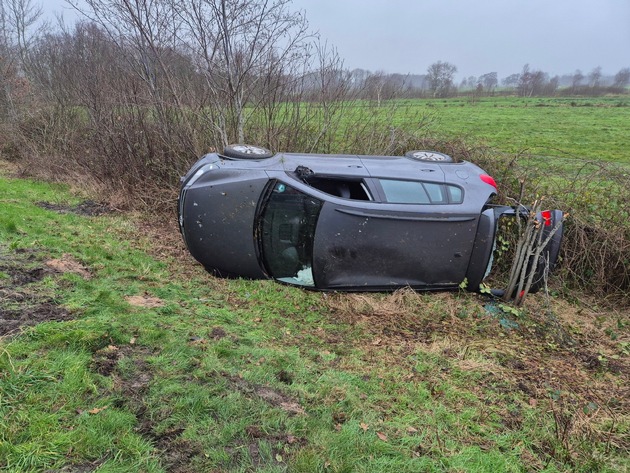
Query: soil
x=87 y=208
x=21 y=303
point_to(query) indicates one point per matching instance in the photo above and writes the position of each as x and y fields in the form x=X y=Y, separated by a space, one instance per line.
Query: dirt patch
x=21 y=302
x=68 y=264
x=132 y=383
x=12 y=320
x=21 y=266
x=271 y=396
x=146 y=301
x=87 y=208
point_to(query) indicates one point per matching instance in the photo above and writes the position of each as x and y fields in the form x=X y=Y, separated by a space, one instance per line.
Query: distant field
x=586 y=128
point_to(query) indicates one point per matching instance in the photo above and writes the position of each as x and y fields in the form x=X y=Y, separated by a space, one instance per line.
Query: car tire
x=239 y=151
x=430 y=156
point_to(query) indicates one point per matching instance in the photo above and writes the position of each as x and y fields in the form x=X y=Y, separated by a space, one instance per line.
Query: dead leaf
x=96 y=410
x=412 y=430
x=291 y=439
x=382 y=436
x=132 y=341
x=377 y=342
x=364 y=426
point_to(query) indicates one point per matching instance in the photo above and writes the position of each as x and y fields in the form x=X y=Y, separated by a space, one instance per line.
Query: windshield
x=286 y=231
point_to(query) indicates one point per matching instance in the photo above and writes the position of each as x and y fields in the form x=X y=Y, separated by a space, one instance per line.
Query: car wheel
x=434 y=156
x=246 y=152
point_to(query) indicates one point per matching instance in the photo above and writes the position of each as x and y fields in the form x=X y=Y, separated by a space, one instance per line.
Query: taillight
x=488 y=180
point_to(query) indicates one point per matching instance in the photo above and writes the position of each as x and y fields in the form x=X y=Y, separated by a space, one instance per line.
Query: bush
x=595 y=254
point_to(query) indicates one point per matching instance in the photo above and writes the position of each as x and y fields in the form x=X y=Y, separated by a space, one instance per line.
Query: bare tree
x=489 y=81
x=237 y=45
x=622 y=78
x=511 y=80
x=576 y=80
x=594 y=77
x=440 y=75
x=531 y=82
x=524 y=85
x=376 y=87
x=20 y=23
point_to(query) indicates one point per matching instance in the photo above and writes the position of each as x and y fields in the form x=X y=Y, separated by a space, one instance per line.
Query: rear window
x=414 y=192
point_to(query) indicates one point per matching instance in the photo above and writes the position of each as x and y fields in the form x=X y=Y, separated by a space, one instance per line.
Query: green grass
x=590 y=129
x=583 y=128
x=255 y=376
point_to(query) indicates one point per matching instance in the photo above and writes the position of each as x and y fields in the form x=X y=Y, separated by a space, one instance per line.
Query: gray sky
x=478 y=36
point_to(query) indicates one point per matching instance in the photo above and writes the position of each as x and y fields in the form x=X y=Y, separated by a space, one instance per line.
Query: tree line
x=439 y=81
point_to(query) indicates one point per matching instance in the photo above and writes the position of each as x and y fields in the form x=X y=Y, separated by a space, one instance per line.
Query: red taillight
x=488 y=180
x=546 y=215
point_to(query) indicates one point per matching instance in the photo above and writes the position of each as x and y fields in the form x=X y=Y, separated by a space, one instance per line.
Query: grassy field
x=584 y=128
x=118 y=354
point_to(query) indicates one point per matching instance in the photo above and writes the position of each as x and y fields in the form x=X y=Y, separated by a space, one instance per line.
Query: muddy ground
x=21 y=302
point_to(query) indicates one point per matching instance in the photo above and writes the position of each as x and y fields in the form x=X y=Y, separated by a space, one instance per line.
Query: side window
x=437 y=193
x=354 y=189
x=404 y=192
x=285 y=231
x=455 y=194
x=413 y=192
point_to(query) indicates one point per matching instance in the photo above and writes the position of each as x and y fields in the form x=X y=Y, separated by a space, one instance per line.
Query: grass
x=133 y=359
x=582 y=128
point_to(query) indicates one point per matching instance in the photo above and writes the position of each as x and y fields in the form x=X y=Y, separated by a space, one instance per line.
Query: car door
x=380 y=245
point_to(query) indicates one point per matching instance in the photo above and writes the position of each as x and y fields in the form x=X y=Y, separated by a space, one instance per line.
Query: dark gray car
x=342 y=222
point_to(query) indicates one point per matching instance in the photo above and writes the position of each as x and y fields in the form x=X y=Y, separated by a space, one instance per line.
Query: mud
x=88 y=208
x=21 y=303
x=176 y=453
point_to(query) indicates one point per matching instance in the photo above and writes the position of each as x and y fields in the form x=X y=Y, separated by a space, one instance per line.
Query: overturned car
x=346 y=222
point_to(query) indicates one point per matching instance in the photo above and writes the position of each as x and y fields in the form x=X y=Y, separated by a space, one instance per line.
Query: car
x=346 y=222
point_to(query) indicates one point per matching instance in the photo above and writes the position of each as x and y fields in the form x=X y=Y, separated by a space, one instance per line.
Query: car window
x=404 y=192
x=286 y=230
x=437 y=193
x=456 y=194
x=354 y=189
x=414 y=192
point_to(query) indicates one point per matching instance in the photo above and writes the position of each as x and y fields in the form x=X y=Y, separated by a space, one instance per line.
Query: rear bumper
x=482 y=256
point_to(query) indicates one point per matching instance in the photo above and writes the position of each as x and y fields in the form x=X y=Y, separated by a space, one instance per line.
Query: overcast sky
x=478 y=36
